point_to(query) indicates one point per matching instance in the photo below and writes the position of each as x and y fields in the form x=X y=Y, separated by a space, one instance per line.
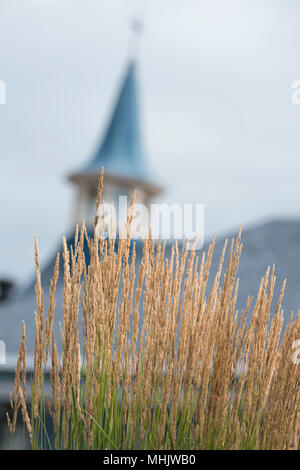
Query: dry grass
x=229 y=383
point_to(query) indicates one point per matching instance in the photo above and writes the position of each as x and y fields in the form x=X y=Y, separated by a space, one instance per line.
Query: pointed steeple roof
x=121 y=152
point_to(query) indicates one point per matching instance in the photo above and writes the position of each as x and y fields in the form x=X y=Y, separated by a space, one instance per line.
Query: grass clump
x=151 y=360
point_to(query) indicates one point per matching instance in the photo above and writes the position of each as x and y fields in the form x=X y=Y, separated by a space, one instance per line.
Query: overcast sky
x=215 y=82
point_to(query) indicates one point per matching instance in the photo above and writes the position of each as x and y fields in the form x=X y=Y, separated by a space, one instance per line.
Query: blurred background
x=215 y=86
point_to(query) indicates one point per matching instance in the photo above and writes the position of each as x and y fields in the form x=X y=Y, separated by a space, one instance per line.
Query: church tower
x=122 y=155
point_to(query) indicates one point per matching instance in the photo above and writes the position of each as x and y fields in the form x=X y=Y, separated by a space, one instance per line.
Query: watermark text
x=2 y=92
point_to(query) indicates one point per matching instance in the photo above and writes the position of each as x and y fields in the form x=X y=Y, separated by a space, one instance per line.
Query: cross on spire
x=136 y=27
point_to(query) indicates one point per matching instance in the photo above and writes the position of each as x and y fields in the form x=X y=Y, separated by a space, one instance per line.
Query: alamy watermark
x=2 y=92
x=295 y=96
x=2 y=352
x=165 y=221
x=296 y=353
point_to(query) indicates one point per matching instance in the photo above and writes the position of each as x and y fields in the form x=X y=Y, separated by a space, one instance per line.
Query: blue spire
x=121 y=152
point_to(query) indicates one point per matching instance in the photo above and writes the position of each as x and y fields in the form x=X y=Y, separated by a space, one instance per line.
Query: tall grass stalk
x=152 y=360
